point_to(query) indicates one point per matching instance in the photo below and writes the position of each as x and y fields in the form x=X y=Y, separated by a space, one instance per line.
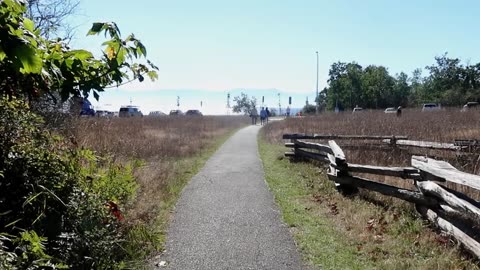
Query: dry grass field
x=171 y=150
x=378 y=231
x=444 y=126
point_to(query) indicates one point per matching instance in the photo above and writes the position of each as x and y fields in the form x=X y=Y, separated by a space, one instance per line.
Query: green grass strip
x=320 y=244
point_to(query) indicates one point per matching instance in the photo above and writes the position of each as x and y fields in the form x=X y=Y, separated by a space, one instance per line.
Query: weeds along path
x=226 y=217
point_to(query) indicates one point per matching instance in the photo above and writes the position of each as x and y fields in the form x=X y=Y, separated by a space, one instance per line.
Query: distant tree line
x=448 y=82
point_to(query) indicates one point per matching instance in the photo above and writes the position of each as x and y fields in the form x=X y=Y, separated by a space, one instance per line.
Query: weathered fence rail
x=449 y=210
x=389 y=140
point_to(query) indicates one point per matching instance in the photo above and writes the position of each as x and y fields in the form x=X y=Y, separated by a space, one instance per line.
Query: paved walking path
x=226 y=217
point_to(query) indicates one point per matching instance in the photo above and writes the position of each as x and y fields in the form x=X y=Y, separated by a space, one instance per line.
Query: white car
x=470 y=106
x=390 y=110
x=357 y=109
x=156 y=113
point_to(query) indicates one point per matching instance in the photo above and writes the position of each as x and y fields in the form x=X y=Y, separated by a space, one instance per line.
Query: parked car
x=129 y=111
x=176 y=112
x=470 y=105
x=87 y=108
x=391 y=110
x=431 y=107
x=194 y=113
x=156 y=113
x=357 y=109
x=104 y=113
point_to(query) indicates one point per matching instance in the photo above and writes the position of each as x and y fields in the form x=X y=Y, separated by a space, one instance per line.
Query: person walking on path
x=263 y=116
x=288 y=111
x=254 y=116
x=268 y=113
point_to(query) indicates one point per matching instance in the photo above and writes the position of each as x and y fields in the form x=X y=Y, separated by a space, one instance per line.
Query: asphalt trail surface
x=226 y=217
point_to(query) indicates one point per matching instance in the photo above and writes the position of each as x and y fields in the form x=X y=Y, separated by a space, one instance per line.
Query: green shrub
x=59 y=205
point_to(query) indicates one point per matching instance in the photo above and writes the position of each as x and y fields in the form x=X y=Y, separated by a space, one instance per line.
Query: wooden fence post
x=341 y=168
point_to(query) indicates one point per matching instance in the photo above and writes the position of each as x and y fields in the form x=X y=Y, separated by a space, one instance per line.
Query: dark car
x=194 y=113
x=129 y=111
x=176 y=112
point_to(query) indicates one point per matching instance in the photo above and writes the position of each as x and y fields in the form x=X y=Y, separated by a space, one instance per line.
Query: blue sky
x=205 y=49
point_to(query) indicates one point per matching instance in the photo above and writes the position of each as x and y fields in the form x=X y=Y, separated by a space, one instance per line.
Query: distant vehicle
x=431 y=107
x=390 y=110
x=357 y=109
x=129 y=111
x=194 y=113
x=469 y=106
x=176 y=112
x=156 y=113
x=87 y=108
x=103 y=113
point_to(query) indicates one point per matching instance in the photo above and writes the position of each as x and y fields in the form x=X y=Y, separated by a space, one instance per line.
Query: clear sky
x=207 y=48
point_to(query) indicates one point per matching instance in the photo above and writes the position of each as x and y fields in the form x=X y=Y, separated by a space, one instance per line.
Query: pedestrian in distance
x=268 y=113
x=288 y=111
x=254 y=116
x=399 y=111
x=263 y=116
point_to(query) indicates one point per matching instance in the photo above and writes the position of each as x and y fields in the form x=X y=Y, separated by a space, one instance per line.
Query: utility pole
x=279 y=105
x=228 y=103
x=316 y=97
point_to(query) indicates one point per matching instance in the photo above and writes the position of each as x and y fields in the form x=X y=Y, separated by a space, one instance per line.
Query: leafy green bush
x=59 y=205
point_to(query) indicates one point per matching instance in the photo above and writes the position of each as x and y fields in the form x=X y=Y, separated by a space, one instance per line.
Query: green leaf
x=141 y=49
x=81 y=54
x=69 y=62
x=121 y=56
x=96 y=28
x=2 y=54
x=28 y=59
x=28 y=24
x=152 y=65
x=152 y=75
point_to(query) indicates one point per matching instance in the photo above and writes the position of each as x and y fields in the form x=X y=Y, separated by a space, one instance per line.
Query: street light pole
x=316 y=97
x=279 y=105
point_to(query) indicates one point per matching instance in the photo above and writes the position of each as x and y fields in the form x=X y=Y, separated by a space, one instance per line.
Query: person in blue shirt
x=263 y=116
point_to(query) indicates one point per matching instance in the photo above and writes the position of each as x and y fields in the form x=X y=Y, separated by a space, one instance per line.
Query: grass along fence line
x=452 y=211
x=354 y=216
x=366 y=231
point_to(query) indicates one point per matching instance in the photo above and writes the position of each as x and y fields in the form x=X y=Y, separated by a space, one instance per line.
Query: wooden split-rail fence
x=451 y=211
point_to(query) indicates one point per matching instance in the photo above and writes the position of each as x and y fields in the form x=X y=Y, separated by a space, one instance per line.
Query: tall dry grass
x=442 y=126
x=165 y=144
x=153 y=137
